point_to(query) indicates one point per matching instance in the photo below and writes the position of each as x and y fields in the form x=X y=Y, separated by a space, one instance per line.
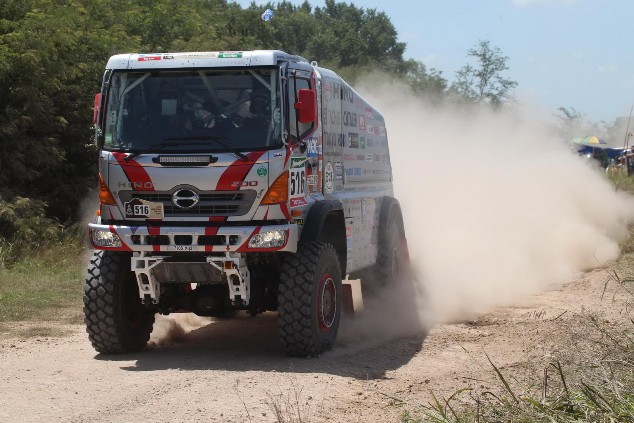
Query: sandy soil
x=234 y=371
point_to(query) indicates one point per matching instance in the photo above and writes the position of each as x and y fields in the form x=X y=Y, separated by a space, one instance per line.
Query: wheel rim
x=326 y=303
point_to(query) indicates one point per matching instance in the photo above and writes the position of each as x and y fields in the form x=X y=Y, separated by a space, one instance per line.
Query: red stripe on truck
x=135 y=172
x=210 y=231
x=237 y=171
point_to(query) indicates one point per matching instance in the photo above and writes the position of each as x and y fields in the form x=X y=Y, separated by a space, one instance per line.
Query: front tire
x=309 y=300
x=116 y=320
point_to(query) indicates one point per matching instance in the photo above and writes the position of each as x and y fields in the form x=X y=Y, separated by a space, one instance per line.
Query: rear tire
x=309 y=300
x=116 y=320
x=390 y=262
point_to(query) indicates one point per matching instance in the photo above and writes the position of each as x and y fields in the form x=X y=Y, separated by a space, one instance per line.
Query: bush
x=25 y=229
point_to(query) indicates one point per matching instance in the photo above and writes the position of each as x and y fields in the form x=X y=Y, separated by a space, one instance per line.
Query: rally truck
x=236 y=181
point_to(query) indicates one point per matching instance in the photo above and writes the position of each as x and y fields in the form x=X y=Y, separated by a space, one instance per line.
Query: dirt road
x=234 y=371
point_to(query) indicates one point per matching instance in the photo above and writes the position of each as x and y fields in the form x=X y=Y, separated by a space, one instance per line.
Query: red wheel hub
x=326 y=303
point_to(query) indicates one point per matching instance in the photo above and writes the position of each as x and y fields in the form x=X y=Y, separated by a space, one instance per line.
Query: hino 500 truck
x=236 y=180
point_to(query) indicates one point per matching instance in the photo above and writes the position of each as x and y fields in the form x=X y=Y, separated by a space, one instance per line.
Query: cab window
x=298 y=130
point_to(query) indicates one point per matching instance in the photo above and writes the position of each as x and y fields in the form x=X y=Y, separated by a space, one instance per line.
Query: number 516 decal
x=144 y=209
x=297 y=182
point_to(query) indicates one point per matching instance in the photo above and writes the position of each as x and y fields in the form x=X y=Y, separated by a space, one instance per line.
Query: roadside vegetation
x=41 y=283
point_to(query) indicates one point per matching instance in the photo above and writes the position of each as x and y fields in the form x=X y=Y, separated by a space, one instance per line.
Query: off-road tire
x=116 y=320
x=390 y=261
x=309 y=300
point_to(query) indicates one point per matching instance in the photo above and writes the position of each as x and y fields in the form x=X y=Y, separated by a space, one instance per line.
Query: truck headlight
x=103 y=238
x=268 y=239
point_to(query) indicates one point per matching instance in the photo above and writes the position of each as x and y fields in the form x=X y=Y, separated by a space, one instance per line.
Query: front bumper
x=174 y=239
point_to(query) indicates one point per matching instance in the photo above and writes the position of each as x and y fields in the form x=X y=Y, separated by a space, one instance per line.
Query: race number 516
x=298 y=182
x=141 y=210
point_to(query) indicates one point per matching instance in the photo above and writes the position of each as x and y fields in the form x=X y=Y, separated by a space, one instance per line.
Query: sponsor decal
x=311 y=179
x=369 y=157
x=369 y=113
x=297 y=182
x=349 y=231
x=262 y=171
x=334 y=118
x=342 y=92
x=362 y=122
x=143 y=58
x=353 y=140
x=230 y=55
x=338 y=171
x=168 y=56
x=329 y=178
x=362 y=142
x=296 y=202
x=312 y=147
x=349 y=119
x=332 y=139
x=299 y=222
x=145 y=209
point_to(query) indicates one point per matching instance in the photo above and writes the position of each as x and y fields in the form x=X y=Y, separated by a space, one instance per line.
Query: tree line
x=52 y=57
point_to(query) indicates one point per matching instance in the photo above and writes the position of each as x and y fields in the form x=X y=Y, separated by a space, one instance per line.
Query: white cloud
x=608 y=68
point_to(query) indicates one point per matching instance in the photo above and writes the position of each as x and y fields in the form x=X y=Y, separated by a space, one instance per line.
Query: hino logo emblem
x=185 y=198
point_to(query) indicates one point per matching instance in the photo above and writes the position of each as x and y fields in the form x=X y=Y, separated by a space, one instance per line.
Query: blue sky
x=562 y=53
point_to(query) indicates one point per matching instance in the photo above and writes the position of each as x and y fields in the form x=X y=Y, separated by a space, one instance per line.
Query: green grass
x=44 y=288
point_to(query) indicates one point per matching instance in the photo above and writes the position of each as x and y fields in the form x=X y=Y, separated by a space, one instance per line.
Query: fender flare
x=316 y=219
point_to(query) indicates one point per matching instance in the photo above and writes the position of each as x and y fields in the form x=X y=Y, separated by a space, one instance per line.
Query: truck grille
x=217 y=203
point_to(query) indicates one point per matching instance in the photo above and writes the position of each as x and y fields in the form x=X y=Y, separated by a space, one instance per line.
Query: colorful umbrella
x=592 y=141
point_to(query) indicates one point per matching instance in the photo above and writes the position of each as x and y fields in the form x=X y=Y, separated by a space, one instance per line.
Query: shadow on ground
x=385 y=336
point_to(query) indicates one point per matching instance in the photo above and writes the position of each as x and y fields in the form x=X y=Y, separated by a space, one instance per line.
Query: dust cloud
x=496 y=208
x=173 y=328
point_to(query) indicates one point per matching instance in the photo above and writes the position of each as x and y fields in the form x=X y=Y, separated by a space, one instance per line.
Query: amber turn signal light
x=278 y=193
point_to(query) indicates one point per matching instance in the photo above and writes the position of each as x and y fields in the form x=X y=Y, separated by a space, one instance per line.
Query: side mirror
x=306 y=106
x=97 y=106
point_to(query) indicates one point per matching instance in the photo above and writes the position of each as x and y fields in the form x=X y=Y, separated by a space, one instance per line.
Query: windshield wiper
x=157 y=147
x=238 y=153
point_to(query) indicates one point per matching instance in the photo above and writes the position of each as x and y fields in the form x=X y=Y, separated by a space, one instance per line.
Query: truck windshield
x=145 y=109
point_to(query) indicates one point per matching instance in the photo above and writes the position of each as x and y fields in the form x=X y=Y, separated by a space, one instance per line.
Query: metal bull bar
x=152 y=271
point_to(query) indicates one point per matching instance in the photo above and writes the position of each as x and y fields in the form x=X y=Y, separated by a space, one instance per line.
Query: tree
x=484 y=82
x=430 y=84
